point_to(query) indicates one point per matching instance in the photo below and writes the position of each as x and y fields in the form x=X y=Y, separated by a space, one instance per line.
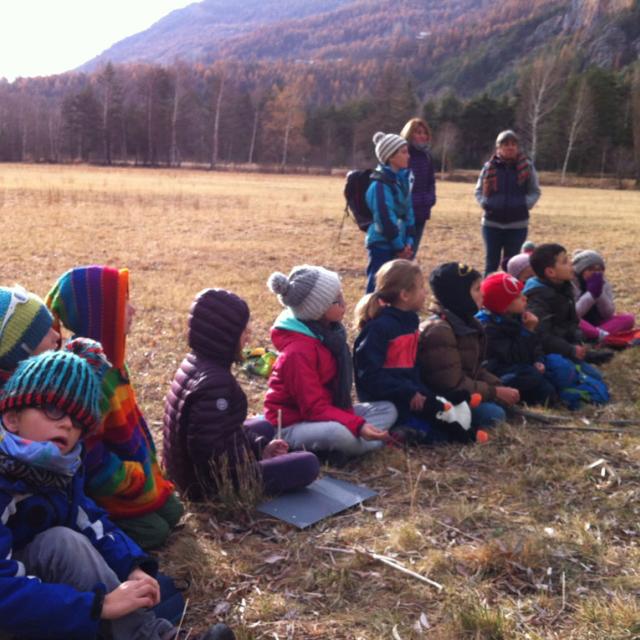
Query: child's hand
x=369 y=432
x=507 y=395
x=540 y=367
x=139 y=575
x=417 y=402
x=274 y=449
x=581 y=351
x=128 y=597
x=594 y=283
x=530 y=320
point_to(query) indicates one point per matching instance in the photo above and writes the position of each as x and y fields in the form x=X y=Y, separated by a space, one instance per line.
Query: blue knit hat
x=24 y=322
x=69 y=380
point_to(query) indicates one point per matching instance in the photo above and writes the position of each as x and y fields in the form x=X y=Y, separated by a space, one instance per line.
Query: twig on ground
x=390 y=562
x=463 y=533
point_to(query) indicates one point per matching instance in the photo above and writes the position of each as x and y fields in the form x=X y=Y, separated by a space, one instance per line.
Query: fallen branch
x=390 y=562
x=460 y=531
x=550 y=427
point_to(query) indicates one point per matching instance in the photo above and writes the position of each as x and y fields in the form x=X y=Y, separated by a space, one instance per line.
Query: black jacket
x=555 y=307
x=509 y=342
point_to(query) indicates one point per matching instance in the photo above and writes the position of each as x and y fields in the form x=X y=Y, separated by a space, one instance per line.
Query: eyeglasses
x=18 y=296
x=55 y=413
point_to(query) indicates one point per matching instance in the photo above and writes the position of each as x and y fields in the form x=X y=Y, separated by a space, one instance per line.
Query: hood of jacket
x=91 y=303
x=217 y=319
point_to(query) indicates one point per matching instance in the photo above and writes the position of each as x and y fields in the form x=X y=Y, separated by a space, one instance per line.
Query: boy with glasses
x=67 y=571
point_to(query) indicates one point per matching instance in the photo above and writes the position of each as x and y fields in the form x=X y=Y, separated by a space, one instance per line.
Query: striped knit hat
x=308 y=291
x=24 y=322
x=91 y=302
x=69 y=380
x=387 y=144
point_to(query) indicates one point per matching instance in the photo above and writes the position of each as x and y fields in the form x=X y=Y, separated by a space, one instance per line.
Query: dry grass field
x=533 y=535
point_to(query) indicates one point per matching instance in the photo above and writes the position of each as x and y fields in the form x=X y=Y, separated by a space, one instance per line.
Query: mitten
x=594 y=283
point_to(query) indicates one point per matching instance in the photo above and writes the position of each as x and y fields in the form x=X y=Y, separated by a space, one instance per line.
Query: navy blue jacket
x=423 y=194
x=509 y=342
x=509 y=205
x=384 y=356
x=555 y=307
x=31 y=608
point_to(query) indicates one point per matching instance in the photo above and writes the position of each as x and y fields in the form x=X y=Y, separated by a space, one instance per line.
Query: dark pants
x=152 y=530
x=378 y=255
x=419 y=231
x=283 y=473
x=500 y=245
x=534 y=388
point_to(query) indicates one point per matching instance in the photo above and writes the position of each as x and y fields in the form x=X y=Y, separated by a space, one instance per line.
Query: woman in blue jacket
x=392 y=232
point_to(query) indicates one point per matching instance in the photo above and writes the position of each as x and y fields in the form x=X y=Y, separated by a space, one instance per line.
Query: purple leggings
x=615 y=324
x=283 y=473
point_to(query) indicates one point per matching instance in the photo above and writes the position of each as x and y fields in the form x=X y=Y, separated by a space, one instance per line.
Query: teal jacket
x=389 y=199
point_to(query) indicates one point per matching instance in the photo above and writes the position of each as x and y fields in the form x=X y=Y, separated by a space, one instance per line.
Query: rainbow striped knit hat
x=90 y=302
x=24 y=322
x=70 y=380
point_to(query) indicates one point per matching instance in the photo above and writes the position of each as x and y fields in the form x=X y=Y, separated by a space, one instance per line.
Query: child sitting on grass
x=385 y=355
x=551 y=298
x=595 y=306
x=452 y=345
x=514 y=352
x=26 y=328
x=310 y=386
x=123 y=474
x=205 y=442
x=67 y=571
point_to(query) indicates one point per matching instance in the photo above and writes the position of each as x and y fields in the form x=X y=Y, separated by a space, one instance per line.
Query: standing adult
x=423 y=195
x=506 y=189
x=392 y=233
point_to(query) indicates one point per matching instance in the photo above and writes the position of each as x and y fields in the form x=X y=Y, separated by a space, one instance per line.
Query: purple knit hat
x=517 y=264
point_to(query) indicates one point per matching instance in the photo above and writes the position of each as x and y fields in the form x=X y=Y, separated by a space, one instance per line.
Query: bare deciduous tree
x=540 y=87
x=581 y=116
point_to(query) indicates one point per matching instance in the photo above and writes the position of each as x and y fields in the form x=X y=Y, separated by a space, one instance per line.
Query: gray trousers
x=61 y=555
x=333 y=436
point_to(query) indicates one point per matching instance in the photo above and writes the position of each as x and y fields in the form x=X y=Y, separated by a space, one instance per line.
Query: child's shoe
x=598 y=356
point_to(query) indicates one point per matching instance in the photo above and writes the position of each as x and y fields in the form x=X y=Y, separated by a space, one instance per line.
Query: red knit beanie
x=499 y=290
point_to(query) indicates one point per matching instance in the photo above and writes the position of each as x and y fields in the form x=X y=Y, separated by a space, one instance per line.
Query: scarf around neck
x=44 y=456
x=334 y=337
x=490 y=180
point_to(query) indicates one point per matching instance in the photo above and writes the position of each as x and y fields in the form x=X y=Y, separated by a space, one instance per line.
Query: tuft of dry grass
x=529 y=539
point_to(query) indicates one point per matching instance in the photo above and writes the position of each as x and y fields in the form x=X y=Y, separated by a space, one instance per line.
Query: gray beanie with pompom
x=387 y=144
x=308 y=291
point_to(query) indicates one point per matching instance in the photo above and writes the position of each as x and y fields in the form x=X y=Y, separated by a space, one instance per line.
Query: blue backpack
x=575 y=383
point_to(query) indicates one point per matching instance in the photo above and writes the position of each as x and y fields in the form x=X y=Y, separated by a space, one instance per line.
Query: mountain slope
x=464 y=45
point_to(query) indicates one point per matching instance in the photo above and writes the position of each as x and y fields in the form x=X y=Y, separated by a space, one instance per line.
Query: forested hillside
x=305 y=82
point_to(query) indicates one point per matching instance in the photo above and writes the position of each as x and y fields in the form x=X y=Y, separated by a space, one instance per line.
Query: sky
x=44 y=37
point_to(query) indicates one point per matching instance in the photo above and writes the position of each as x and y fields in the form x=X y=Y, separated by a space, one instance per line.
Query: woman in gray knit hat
x=310 y=387
x=594 y=298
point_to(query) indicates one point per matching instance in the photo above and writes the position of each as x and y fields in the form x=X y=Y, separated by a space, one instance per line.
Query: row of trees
x=228 y=112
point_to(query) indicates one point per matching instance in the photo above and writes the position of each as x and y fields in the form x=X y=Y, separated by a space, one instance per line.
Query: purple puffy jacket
x=205 y=407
